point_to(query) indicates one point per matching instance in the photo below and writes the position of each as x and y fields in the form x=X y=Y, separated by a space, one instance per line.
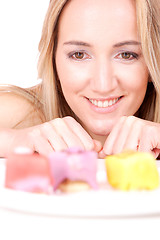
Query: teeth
x=104 y=104
x=100 y=104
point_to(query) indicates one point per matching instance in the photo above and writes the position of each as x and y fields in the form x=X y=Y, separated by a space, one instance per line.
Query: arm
x=5 y=136
x=16 y=112
x=21 y=126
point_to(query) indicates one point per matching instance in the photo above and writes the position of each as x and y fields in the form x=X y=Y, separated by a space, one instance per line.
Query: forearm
x=5 y=140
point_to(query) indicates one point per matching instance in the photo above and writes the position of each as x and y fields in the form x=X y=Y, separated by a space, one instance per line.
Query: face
x=99 y=62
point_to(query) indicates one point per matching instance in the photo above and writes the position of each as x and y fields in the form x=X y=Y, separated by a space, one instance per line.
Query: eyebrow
x=132 y=42
x=77 y=43
x=120 y=44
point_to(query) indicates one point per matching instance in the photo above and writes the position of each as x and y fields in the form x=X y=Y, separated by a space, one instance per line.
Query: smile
x=105 y=103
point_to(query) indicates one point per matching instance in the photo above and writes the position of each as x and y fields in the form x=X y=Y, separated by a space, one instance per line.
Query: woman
x=100 y=70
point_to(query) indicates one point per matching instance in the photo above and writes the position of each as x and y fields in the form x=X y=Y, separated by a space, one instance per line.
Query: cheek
x=73 y=77
x=135 y=78
x=72 y=81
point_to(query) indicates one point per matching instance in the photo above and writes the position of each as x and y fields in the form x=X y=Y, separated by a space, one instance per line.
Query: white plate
x=103 y=203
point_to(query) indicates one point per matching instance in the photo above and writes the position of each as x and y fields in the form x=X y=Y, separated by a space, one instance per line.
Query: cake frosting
x=74 y=164
x=77 y=170
x=28 y=172
x=132 y=170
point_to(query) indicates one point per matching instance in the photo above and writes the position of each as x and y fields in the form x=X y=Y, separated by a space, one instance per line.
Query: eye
x=127 y=56
x=79 y=56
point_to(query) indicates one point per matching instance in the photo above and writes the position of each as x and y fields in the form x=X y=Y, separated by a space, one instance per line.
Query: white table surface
x=21 y=225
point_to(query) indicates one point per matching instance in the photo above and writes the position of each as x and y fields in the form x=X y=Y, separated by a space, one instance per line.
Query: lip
x=104 y=110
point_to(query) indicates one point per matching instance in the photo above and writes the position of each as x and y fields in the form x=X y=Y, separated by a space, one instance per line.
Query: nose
x=104 y=78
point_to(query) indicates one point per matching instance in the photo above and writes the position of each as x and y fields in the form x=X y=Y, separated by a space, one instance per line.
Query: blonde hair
x=148 y=21
x=54 y=104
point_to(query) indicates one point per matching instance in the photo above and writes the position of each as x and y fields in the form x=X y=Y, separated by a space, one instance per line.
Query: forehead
x=85 y=17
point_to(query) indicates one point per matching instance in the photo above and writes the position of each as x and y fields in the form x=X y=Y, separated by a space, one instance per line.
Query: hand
x=58 y=134
x=132 y=133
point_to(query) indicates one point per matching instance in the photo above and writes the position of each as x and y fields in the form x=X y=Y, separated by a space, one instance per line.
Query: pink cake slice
x=74 y=164
x=28 y=172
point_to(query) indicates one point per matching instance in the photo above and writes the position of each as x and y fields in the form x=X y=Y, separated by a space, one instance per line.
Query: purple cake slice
x=74 y=165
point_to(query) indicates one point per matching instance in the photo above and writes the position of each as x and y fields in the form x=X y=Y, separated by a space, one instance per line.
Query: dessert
x=74 y=169
x=132 y=170
x=28 y=172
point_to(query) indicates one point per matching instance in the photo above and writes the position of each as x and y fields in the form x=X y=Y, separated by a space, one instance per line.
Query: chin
x=99 y=127
x=100 y=131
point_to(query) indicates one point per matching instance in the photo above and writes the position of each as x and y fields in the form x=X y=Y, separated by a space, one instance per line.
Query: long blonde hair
x=53 y=100
x=54 y=104
x=148 y=21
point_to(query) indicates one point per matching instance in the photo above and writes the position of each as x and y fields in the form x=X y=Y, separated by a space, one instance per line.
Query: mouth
x=104 y=103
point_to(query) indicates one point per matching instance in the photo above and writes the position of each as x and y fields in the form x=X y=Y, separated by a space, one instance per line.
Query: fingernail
x=101 y=154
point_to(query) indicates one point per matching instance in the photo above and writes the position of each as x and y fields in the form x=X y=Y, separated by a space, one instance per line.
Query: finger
x=134 y=136
x=101 y=154
x=39 y=143
x=144 y=138
x=110 y=143
x=85 y=139
x=129 y=135
x=66 y=132
x=156 y=153
x=50 y=134
x=150 y=140
x=97 y=146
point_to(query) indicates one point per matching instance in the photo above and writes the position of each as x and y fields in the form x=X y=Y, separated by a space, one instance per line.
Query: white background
x=21 y=23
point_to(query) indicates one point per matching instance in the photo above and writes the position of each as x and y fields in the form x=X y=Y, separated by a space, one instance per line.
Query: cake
x=132 y=170
x=28 y=172
x=71 y=170
x=74 y=170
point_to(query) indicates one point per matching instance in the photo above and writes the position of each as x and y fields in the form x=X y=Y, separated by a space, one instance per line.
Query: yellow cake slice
x=132 y=170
